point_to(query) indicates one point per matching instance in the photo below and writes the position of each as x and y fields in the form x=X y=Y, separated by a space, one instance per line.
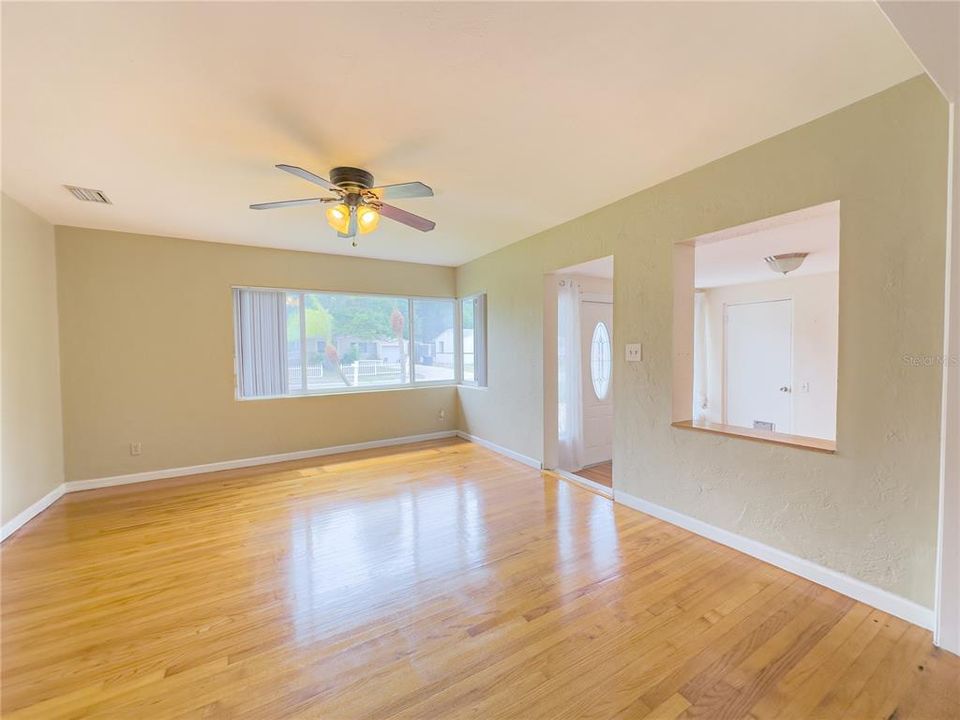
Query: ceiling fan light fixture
x=358 y=204
x=338 y=217
x=367 y=219
x=785 y=263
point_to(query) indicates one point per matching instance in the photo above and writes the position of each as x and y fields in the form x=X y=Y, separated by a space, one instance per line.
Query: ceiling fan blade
x=402 y=216
x=290 y=203
x=309 y=176
x=407 y=218
x=404 y=190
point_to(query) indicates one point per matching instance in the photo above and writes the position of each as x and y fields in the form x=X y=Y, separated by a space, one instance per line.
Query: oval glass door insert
x=600 y=361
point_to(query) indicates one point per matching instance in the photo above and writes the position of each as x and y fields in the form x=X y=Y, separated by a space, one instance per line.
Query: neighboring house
x=387 y=351
x=444 y=347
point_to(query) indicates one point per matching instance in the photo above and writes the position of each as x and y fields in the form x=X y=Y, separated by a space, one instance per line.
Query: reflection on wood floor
x=432 y=581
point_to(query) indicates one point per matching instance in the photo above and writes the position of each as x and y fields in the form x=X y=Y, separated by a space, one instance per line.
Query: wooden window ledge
x=766 y=436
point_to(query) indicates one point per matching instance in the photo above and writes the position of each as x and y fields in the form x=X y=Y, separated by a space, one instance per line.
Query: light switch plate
x=634 y=352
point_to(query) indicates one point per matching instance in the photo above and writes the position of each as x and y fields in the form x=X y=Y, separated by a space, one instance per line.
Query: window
x=434 y=328
x=473 y=353
x=600 y=360
x=307 y=343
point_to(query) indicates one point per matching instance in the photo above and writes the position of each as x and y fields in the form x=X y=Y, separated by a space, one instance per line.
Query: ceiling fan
x=358 y=205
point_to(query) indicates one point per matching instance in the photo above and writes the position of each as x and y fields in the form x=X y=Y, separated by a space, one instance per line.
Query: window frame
x=480 y=326
x=410 y=384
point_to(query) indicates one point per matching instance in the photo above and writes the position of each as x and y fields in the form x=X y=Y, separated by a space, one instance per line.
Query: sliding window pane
x=468 y=315
x=316 y=335
x=434 y=328
x=295 y=375
x=355 y=341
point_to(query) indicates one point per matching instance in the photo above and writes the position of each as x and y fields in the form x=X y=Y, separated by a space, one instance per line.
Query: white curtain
x=260 y=327
x=700 y=365
x=569 y=388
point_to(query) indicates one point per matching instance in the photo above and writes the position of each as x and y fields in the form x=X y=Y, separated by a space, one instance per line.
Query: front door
x=596 y=328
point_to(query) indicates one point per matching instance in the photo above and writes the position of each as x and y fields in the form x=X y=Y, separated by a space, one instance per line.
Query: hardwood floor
x=601 y=473
x=433 y=581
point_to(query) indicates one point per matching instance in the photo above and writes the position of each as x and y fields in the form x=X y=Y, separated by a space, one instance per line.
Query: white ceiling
x=599 y=268
x=735 y=256
x=520 y=115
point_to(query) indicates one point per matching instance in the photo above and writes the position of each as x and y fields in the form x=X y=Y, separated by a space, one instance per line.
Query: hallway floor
x=601 y=473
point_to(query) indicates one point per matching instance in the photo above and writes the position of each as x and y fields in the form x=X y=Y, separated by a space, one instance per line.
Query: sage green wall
x=146 y=336
x=870 y=510
x=32 y=439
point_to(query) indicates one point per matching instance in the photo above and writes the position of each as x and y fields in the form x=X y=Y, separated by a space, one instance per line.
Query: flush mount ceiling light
x=787 y=262
x=359 y=204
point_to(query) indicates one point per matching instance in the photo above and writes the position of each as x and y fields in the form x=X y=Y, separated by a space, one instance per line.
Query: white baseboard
x=844 y=584
x=532 y=462
x=22 y=518
x=94 y=483
x=586 y=483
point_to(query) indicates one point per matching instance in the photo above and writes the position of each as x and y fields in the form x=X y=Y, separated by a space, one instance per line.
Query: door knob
x=784 y=388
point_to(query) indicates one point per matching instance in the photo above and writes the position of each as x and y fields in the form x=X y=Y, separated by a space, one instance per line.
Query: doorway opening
x=579 y=374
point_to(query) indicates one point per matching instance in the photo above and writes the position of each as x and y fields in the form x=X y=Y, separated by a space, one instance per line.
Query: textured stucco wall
x=871 y=509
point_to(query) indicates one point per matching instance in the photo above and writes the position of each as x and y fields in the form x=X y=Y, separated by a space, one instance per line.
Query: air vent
x=88 y=195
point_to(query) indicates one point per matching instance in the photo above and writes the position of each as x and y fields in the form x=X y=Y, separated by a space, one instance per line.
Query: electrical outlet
x=442 y=415
x=634 y=352
x=804 y=387
x=136 y=448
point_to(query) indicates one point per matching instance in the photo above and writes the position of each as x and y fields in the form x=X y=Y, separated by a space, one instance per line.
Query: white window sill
x=350 y=391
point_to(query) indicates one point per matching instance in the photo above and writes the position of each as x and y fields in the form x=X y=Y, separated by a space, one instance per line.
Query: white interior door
x=596 y=329
x=758 y=365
